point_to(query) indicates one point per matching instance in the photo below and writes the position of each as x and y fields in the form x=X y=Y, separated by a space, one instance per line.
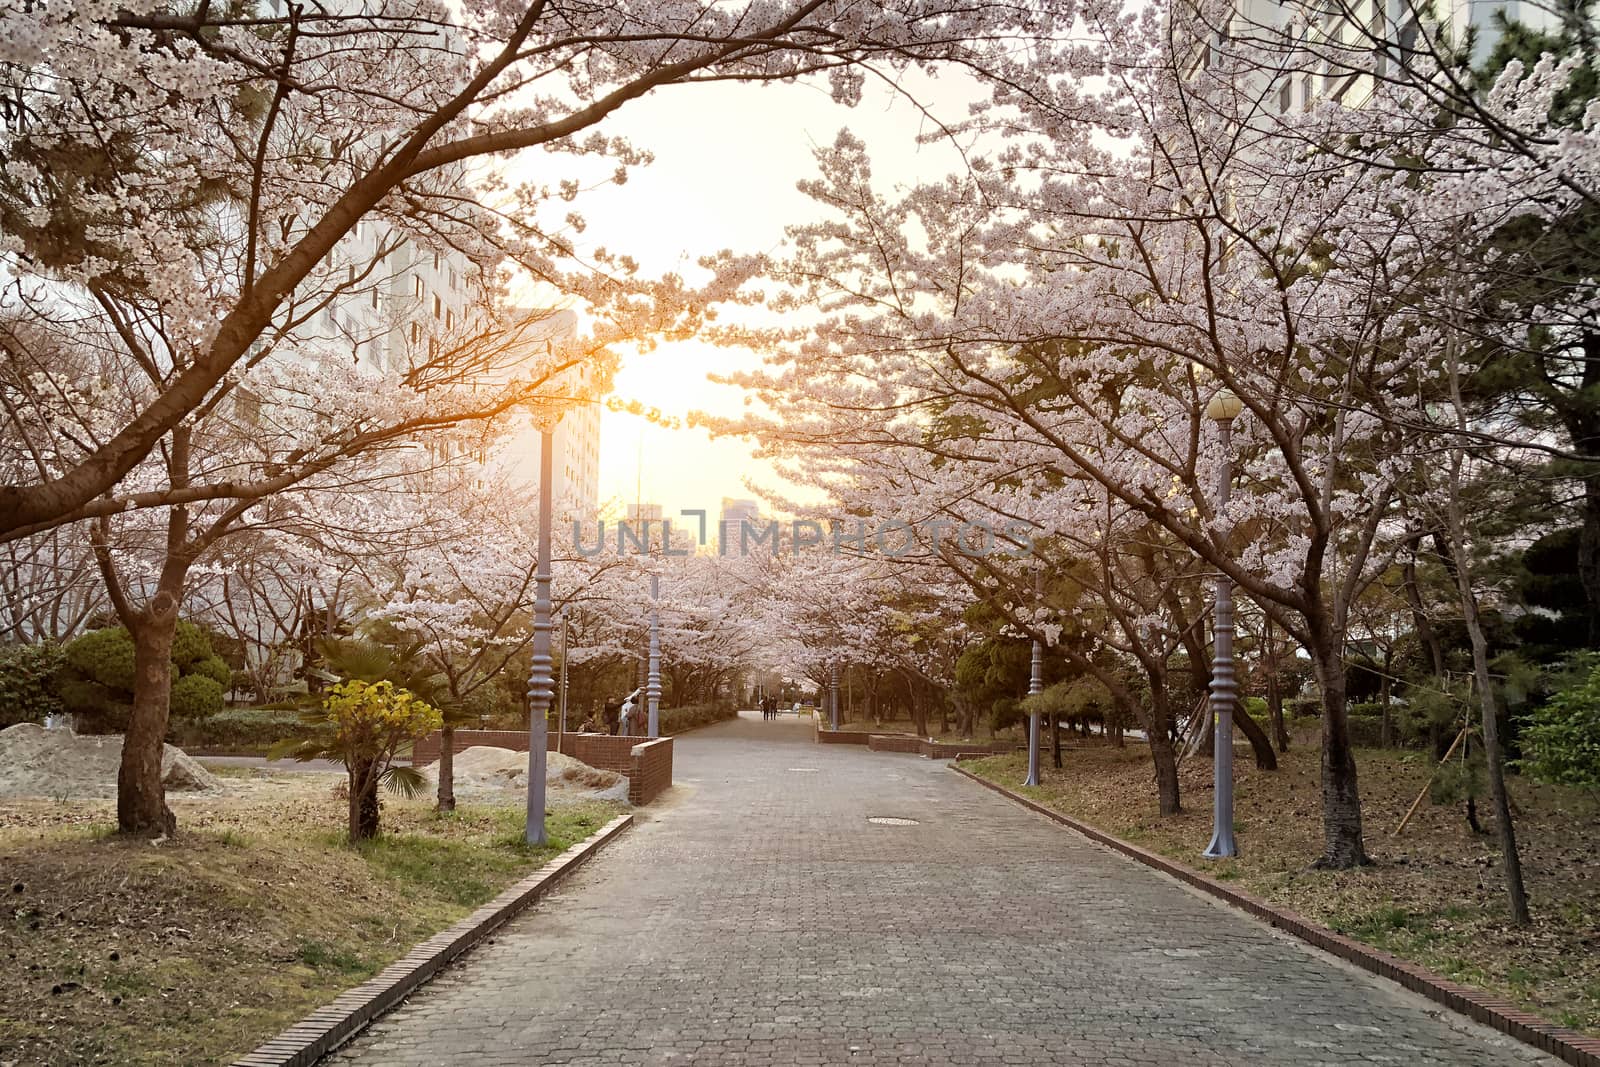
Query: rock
x=36 y=762
x=180 y=771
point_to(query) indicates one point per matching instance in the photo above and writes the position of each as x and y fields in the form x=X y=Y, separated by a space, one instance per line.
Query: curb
x=330 y=1026
x=1497 y=1012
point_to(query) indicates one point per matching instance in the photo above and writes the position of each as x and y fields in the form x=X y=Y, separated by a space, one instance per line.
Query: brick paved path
x=758 y=918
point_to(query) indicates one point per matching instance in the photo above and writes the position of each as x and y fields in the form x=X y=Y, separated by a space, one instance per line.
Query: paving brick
x=758 y=918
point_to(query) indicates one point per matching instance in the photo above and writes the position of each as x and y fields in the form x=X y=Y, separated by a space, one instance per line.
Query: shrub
x=1005 y=712
x=244 y=731
x=104 y=657
x=214 y=668
x=365 y=725
x=1561 y=740
x=194 y=696
x=1303 y=708
x=190 y=645
x=677 y=720
x=27 y=682
x=96 y=682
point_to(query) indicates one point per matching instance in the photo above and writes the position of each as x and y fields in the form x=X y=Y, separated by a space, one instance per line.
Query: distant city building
x=645 y=513
x=731 y=537
x=575 y=462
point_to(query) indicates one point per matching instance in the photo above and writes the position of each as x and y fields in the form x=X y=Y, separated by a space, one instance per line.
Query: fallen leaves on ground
x=194 y=950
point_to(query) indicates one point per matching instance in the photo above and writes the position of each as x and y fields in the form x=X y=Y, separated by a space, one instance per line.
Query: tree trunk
x=1386 y=724
x=1055 y=740
x=1460 y=555
x=1260 y=744
x=1419 y=614
x=1274 y=695
x=1158 y=734
x=1341 y=799
x=1494 y=755
x=141 y=797
x=1589 y=543
x=1166 y=762
x=447 y=768
x=363 y=802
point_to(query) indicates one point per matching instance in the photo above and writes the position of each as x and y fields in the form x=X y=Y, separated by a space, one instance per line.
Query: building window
x=374 y=296
x=416 y=284
x=449 y=319
x=452 y=279
x=1285 y=97
x=436 y=261
x=350 y=272
x=437 y=305
x=416 y=334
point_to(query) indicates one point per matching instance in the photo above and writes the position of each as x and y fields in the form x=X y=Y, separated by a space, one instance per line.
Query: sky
x=727 y=157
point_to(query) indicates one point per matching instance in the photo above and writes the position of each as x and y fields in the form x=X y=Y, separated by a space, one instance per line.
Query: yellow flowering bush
x=365 y=725
x=375 y=716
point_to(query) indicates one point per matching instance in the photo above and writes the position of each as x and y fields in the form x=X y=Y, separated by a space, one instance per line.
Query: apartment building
x=1351 y=44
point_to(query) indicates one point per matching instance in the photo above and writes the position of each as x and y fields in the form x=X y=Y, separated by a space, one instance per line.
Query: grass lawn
x=1433 y=895
x=197 y=949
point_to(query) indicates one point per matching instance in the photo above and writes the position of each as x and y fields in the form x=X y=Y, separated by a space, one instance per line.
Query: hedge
x=236 y=731
x=677 y=720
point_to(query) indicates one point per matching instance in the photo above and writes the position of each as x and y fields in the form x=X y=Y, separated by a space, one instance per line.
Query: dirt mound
x=484 y=769
x=35 y=762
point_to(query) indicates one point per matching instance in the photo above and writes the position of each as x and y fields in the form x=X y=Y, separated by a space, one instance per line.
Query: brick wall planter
x=332 y=1025
x=914 y=745
x=645 y=762
x=895 y=743
x=652 y=770
x=1558 y=1041
x=841 y=737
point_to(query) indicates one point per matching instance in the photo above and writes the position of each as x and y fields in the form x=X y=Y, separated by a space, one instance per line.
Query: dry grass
x=195 y=950
x=1434 y=894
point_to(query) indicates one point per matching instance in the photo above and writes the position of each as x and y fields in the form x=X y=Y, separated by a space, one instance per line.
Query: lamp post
x=540 y=683
x=1035 y=687
x=566 y=636
x=1223 y=409
x=652 y=680
x=833 y=696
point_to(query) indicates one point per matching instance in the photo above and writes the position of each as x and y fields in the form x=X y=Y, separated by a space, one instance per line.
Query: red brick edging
x=1501 y=1014
x=325 y=1029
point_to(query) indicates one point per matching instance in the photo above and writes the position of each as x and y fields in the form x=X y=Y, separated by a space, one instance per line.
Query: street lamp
x=1223 y=409
x=566 y=638
x=833 y=696
x=652 y=680
x=541 y=686
x=1035 y=687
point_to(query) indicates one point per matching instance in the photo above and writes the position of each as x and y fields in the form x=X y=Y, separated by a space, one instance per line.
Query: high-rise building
x=731 y=537
x=640 y=512
x=575 y=464
x=1345 y=36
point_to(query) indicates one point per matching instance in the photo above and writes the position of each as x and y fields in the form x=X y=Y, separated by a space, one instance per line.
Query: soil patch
x=492 y=774
x=36 y=762
x=197 y=949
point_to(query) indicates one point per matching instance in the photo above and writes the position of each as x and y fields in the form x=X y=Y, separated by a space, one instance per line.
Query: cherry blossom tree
x=1085 y=290
x=222 y=156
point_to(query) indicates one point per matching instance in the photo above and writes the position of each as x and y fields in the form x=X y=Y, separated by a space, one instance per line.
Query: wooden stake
x=1426 y=785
